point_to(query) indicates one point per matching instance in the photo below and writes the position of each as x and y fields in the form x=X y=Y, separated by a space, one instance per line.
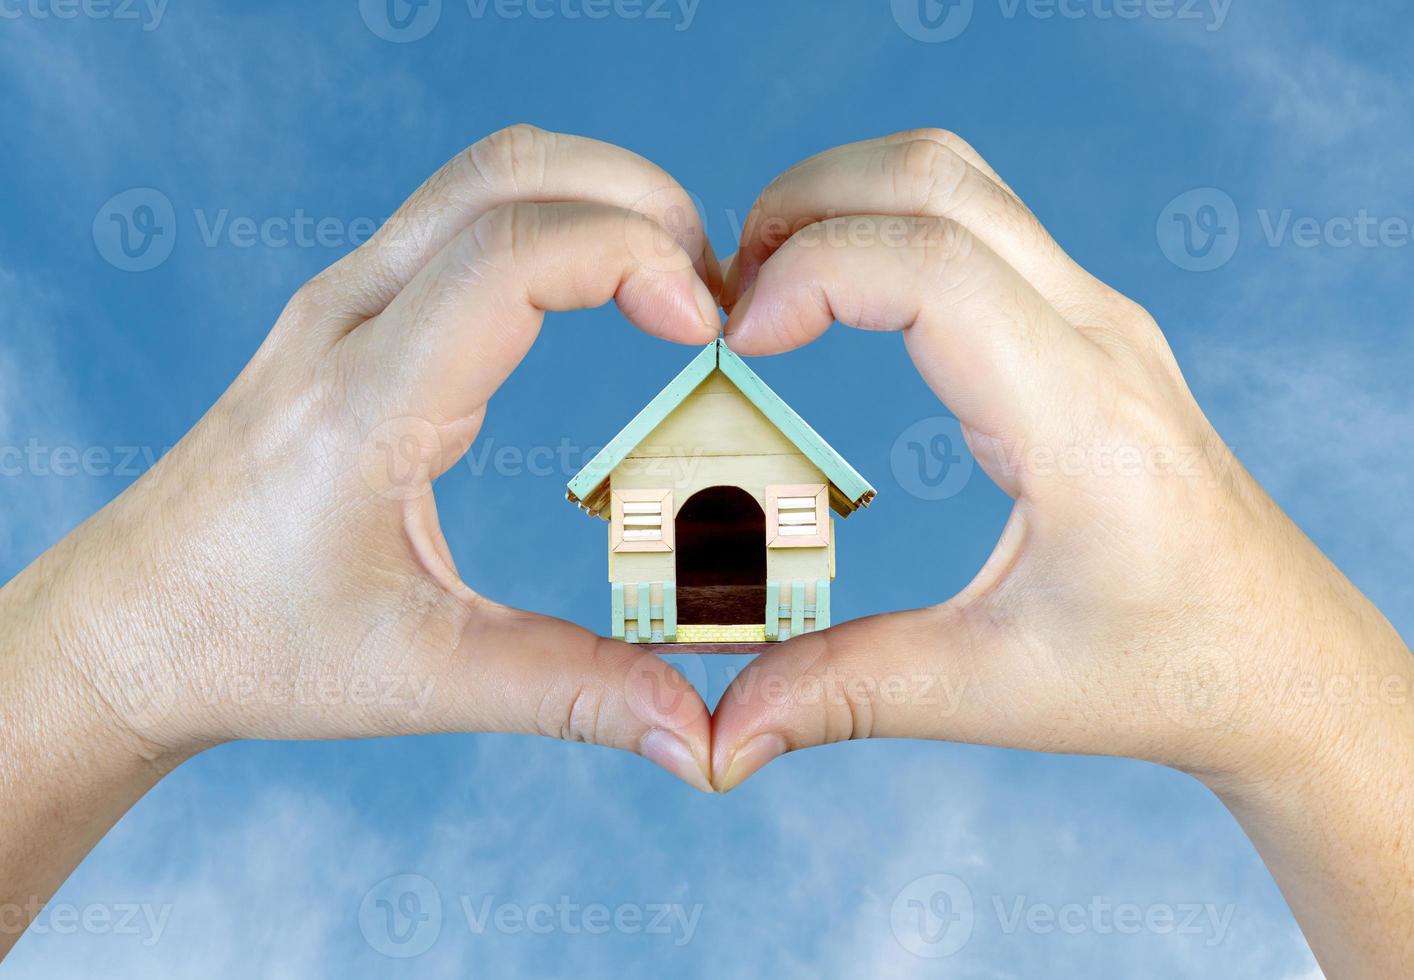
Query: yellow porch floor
x=742 y=633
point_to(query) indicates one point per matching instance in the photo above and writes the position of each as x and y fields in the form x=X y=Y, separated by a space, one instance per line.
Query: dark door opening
x=721 y=557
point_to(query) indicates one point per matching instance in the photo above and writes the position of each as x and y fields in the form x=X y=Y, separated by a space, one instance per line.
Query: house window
x=641 y=520
x=797 y=516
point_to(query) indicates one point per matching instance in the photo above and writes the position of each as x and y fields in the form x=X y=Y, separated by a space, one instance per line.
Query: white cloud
x=35 y=405
x=795 y=878
x=1302 y=356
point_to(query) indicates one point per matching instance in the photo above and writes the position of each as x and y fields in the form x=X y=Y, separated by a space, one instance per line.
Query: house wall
x=716 y=437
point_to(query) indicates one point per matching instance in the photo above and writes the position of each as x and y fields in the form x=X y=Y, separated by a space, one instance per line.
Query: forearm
x=69 y=767
x=1334 y=822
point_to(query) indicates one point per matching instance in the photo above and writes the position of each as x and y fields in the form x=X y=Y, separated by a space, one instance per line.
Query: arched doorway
x=721 y=558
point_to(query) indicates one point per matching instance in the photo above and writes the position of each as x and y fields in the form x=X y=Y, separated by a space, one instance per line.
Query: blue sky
x=1292 y=120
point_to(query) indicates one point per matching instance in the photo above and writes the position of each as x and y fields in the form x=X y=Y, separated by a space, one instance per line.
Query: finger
x=454 y=334
x=497 y=669
x=1007 y=364
x=728 y=268
x=732 y=288
x=927 y=673
x=918 y=177
x=519 y=163
x=953 y=142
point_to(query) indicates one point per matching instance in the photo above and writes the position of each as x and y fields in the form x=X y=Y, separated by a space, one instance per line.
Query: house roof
x=850 y=491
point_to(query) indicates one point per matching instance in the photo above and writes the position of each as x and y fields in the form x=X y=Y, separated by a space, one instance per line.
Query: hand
x=282 y=574
x=1145 y=599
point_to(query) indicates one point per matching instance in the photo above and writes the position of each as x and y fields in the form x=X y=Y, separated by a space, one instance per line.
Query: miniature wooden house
x=719 y=500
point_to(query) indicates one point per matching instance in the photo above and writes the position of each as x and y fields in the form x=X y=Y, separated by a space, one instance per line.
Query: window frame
x=774 y=494
x=617 y=500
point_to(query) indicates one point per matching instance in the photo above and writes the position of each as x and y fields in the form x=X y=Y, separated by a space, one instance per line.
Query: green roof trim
x=845 y=477
x=597 y=470
x=716 y=356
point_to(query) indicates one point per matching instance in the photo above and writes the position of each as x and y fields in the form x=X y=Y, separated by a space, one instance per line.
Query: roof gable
x=715 y=419
x=587 y=486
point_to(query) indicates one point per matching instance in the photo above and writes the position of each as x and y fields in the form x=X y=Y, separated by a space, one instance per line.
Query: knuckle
x=772 y=196
x=850 y=710
x=312 y=297
x=767 y=222
x=1132 y=315
x=507 y=231
x=943 y=137
x=928 y=173
x=572 y=714
x=516 y=155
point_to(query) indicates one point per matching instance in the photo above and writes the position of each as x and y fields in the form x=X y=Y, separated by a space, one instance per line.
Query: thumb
x=498 y=669
x=925 y=673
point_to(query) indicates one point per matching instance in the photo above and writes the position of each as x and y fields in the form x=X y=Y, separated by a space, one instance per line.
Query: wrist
x=1330 y=687
x=88 y=670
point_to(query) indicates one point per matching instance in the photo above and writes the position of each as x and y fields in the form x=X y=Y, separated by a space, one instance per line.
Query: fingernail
x=707 y=303
x=667 y=750
x=750 y=758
